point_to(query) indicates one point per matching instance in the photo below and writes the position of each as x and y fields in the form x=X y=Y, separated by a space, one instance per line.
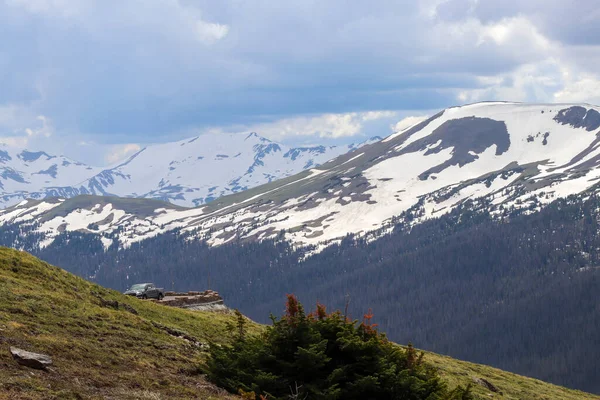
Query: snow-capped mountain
x=500 y=155
x=189 y=172
x=28 y=174
x=198 y=170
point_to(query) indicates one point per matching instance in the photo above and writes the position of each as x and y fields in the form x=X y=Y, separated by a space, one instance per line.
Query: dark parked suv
x=146 y=291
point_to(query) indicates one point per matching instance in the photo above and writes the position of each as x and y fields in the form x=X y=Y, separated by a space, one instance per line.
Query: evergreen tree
x=324 y=356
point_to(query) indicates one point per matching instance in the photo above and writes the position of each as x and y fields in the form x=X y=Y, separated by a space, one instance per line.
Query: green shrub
x=323 y=356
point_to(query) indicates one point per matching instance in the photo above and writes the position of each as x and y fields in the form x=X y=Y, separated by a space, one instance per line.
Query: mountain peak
x=254 y=135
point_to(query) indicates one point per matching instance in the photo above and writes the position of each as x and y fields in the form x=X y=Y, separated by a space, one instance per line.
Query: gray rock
x=130 y=309
x=31 y=360
x=487 y=384
x=109 y=303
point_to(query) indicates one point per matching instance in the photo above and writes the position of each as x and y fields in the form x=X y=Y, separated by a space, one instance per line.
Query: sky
x=98 y=79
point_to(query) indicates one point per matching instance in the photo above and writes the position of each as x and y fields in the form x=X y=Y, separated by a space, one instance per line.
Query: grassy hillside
x=100 y=351
x=511 y=386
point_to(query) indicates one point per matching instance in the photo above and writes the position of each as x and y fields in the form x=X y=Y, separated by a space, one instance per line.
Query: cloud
x=408 y=122
x=38 y=128
x=120 y=152
x=515 y=32
x=210 y=32
x=572 y=23
x=326 y=126
x=59 y=8
x=535 y=82
x=375 y=115
x=14 y=141
x=9 y=117
x=44 y=130
x=550 y=80
x=584 y=88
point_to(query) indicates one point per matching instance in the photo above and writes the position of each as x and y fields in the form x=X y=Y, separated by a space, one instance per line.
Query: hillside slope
x=502 y=154
x=103 y=352
x=98 y=352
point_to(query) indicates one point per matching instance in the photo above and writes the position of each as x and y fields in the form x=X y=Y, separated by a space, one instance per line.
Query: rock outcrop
x=31 y=360
x=191 y=299
x=487 y=384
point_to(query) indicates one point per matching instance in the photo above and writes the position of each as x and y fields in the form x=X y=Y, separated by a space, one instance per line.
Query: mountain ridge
x=170 y=171
x=502 y=155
